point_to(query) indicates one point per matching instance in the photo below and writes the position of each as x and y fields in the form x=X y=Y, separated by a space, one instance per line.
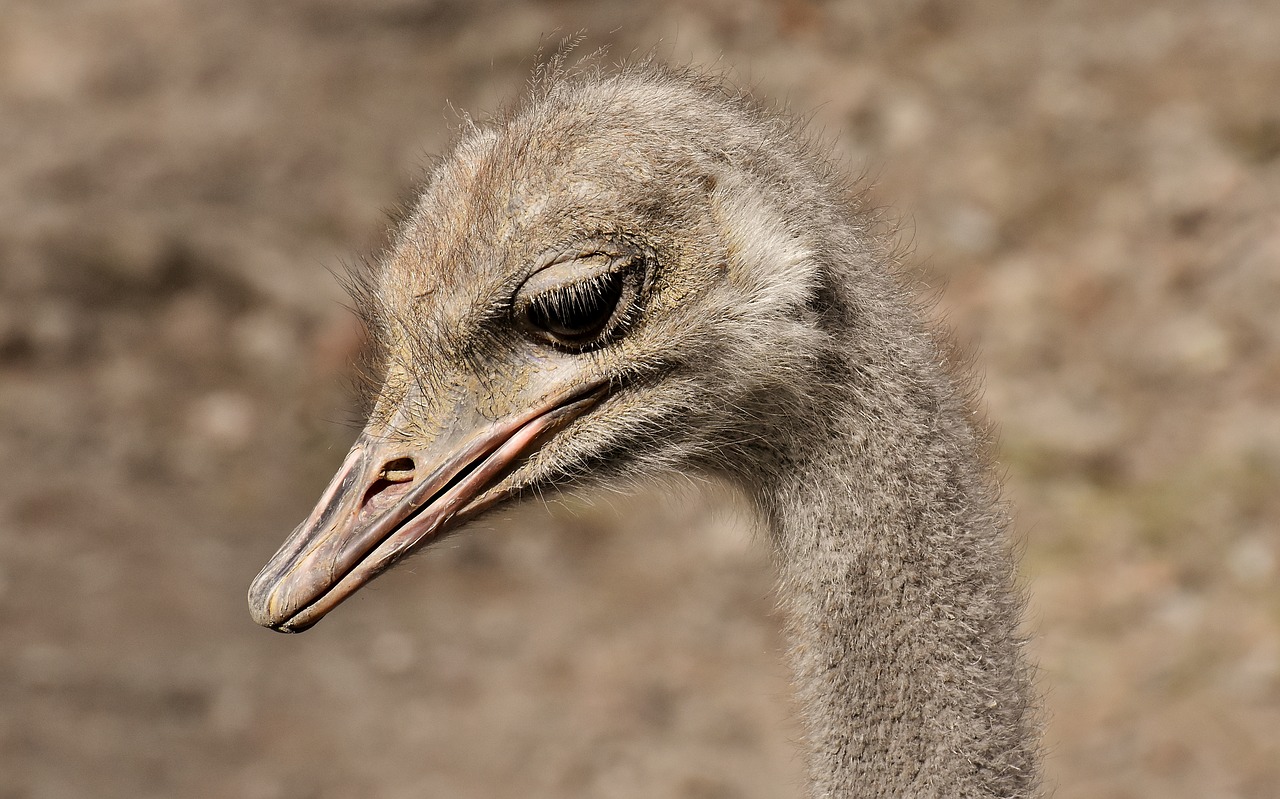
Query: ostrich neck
x=897 y=579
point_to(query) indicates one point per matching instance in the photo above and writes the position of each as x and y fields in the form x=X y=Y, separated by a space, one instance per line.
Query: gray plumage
x=760 y=334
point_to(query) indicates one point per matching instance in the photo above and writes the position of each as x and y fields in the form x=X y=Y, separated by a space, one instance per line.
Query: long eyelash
x=581 y=297
x=575 y=296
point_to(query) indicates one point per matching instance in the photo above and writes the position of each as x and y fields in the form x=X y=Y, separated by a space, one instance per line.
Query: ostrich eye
x=578 y=304
x=579 y=311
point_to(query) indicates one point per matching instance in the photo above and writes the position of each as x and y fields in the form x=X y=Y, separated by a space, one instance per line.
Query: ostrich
x=638 y=272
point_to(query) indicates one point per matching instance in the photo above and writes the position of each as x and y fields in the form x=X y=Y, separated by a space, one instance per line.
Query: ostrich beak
x=388 y=499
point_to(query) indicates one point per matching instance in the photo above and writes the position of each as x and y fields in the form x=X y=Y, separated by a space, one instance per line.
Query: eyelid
x=563 y=274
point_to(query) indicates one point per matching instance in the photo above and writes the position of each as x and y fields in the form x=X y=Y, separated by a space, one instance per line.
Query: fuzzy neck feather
x=898 y=582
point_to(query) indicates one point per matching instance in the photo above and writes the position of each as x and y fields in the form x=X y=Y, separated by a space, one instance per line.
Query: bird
x=636 y=271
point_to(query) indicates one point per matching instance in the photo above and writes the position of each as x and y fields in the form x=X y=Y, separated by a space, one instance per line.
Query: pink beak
x=388 y=499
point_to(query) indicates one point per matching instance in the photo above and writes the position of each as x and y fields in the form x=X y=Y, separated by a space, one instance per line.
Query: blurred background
x=1094 y=187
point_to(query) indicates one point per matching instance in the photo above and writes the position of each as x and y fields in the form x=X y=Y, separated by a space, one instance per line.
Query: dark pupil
x=579 y=311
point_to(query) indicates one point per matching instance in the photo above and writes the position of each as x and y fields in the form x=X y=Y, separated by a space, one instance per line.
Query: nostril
x=392 y=483
x=399 y=470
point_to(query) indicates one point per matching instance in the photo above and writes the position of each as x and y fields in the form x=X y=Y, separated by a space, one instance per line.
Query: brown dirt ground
x=1096 y=184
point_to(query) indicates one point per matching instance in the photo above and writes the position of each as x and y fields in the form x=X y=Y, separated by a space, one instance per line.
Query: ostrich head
x=621 y=278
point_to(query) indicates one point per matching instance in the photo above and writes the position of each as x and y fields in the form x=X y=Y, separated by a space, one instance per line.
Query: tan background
x=1096 y=184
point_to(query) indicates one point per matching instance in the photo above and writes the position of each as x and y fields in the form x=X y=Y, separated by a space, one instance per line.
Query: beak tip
x=267 y=608
x=262 y=616
x=262 y=603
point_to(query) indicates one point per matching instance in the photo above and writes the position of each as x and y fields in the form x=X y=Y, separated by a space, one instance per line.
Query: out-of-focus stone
x=1188 y=170
x=1252 y=561
x=1190 y=343
x=265 y=338
x=224 y=419
x=53 y=329
x=970 y=230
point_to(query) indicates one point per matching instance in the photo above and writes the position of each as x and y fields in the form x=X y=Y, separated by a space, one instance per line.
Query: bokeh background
x=1093 y=186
